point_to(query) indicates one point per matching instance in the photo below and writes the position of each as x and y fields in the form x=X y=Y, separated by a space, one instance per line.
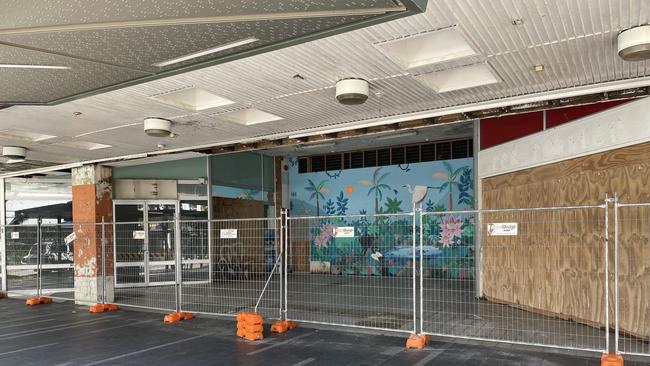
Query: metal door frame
x=145 y=263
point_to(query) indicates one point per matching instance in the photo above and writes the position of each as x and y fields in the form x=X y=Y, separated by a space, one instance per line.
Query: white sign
x=139 y=234
x=70 y=238
x=15 y=235
x=228 y=233
x=502 y=229
x=344 y=232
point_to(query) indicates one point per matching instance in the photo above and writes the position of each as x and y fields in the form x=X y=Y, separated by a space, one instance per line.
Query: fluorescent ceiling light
x=250 y=116
x=193 y=99
x=206 y=52
x=83 y=145
x=19 y=66
x=24 y=135
x=460 y=78
x=429 y=48
x=396 y=136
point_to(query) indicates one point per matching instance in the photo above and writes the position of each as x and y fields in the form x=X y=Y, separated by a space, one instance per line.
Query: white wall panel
x=624 y=125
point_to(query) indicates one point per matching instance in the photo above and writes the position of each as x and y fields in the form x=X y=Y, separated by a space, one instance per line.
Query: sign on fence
x=344 y=232
x=139 y=234
x=502 y=229
x=228 y=233
x=70 y=238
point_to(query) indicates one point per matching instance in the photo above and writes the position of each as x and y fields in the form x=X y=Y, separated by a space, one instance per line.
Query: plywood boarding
x=569 y=281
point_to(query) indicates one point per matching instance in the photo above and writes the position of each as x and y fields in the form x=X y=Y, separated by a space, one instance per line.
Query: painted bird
x=419 y=192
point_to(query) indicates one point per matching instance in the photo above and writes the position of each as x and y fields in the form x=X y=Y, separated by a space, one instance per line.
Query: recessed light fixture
x=539 y=68
x=459 y=78
x=206 y=52
x=193 y=99
x=250 y=116
x=22 y=66
x=83 y=145
x=429 y=48
x=24 y=135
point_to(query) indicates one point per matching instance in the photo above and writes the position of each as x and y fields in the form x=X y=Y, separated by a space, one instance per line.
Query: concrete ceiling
x=574 y=40
x=105 y=44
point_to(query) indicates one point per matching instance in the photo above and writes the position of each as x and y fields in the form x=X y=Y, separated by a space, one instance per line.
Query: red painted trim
x=495 y=131
x=556 y=117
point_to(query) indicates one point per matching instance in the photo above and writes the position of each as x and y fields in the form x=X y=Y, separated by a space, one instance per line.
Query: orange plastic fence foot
x=2 y=295
x=176 y=317
x=611 y=359
x=283 y=326
x=417 y=341
x=38 y=300
x=100 y=308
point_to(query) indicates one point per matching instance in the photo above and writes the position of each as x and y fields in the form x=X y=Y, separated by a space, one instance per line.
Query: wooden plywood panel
x=556 y=266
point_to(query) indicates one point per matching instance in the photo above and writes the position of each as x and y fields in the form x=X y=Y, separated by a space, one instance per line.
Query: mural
x=382 y=245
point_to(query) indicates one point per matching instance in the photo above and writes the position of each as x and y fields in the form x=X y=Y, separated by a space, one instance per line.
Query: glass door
x=161 y=238
x=130 y=246
x=144 y=243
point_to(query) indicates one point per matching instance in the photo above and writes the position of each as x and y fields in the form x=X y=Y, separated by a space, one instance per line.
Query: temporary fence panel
x=244 y=274
x=632 y=281
x=145 y=265
x=355 y=270
x=22 y=257
x=57 y=260
x=541 y=280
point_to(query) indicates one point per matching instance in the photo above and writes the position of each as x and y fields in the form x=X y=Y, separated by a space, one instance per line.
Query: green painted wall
x=178 y=169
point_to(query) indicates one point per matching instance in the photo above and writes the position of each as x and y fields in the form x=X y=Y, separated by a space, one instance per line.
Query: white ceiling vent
x=429 y=48
x=459 y=78
x=634 y=44
x=249 y=117
x=193 y=99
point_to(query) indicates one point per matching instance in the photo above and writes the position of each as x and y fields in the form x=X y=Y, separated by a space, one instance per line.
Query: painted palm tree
x=393 y=205
x=376 y=187
x=317 y=191
x=450 y=176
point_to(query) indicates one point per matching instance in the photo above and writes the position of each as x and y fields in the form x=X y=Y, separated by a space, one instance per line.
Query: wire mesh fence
x=57 y=260
x=632 y=283
x=145 y=265
x=459 y=274
x=21 y=243
x=541 y=279
x=244 y=274
x=352 y=270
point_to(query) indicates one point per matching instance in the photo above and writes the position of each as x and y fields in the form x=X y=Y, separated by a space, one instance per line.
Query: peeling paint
x=87 y=269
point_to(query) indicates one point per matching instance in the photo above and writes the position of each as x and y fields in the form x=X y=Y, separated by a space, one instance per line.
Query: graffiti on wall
x=382 y=245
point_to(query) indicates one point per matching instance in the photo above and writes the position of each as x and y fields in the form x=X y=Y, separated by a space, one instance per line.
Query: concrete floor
x=64 y=334
x=450 y=307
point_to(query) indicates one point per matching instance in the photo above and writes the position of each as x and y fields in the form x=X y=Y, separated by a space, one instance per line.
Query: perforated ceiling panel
x=120 y=42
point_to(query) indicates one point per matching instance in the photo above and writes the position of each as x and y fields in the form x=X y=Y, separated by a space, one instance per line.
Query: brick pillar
x=92 y=200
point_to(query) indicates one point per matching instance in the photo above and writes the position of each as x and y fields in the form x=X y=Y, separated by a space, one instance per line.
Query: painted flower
x=451 y=228
x=323 y=239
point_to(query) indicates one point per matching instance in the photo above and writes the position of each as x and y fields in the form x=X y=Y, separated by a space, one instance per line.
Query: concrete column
x=92 y=201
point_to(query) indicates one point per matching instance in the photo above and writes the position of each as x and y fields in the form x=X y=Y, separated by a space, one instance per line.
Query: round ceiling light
x=14 y=152
x=352 y=91
x=157 y=127
x=634 y=44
